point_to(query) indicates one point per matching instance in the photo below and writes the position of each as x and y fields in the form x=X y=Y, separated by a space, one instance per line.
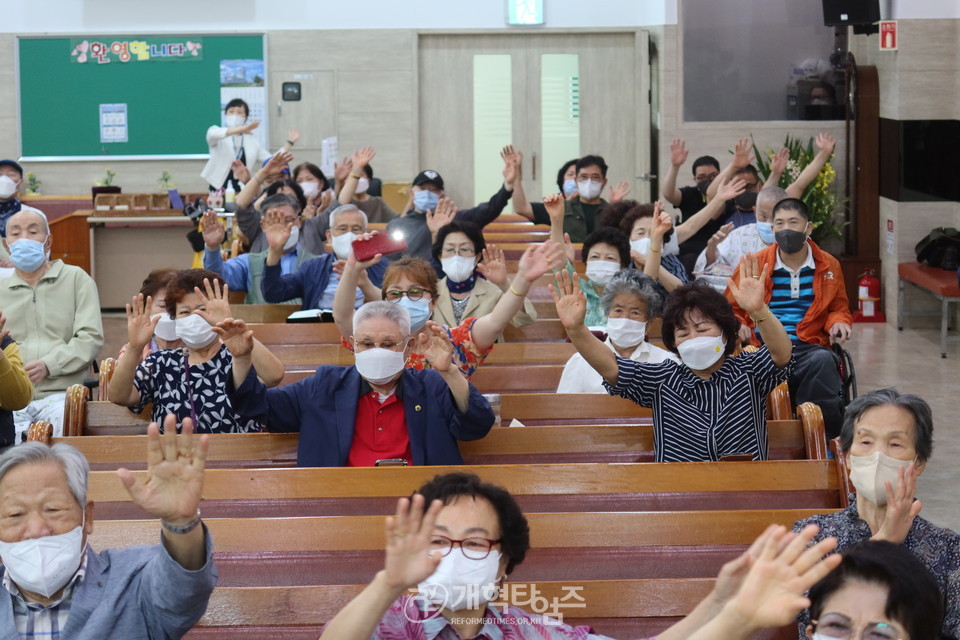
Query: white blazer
x=222 y=155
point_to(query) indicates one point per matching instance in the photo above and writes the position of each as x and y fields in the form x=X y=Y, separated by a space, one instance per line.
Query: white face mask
x=8 y=187
x=343 y=244
x=194 y=331
x=670 y=247
x=625 y=332
x=166 y=329
x=310 y=189
x=234 y=120
x=602 y=271
x=589 y=189
x=458 y=268
x=870 y=473
x=44 y=565
x=362 y=185
x=462 y=583
x=293 y=239
x=701 y=353
x=379 y=366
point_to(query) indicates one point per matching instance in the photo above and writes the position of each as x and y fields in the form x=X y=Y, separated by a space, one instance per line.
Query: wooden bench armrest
x=41 y=431
x=75 y=410
x=107 y=367
x=843 y=473
x=814 y=431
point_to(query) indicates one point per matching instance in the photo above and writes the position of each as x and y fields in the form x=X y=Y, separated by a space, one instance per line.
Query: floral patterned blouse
x=165 y=379
x=466 y=354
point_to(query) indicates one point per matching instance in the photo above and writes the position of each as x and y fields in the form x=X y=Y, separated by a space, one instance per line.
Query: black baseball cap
x=428 y=176
x=15 y=165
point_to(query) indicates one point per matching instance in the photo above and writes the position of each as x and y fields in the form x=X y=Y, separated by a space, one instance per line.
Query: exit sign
x=524 y=12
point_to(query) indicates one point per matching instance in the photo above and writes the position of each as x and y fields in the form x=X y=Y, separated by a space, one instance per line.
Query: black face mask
x=791 y=241
x=746 y=201
x=703 y=186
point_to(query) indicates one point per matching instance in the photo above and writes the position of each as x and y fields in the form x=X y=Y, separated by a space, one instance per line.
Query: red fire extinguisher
x=868 y=296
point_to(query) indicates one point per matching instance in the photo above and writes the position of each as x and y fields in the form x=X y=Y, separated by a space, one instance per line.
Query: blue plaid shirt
x=37 y=621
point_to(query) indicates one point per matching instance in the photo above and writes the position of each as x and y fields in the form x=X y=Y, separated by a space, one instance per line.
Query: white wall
x=106 y=16
x=924 y=9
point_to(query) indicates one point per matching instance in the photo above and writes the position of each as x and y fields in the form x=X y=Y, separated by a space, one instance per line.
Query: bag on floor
x=941 y=248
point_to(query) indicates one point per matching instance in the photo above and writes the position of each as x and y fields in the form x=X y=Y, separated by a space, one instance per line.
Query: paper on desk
x=516 y=423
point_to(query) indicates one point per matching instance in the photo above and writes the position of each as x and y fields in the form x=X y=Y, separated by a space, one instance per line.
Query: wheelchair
x=848 y=375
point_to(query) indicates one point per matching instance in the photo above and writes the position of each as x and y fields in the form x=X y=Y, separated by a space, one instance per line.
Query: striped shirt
x=696 y=419
x=35 y=621
x=792 y=293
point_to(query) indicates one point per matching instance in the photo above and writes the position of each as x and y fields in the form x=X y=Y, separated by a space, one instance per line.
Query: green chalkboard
x=172 y=94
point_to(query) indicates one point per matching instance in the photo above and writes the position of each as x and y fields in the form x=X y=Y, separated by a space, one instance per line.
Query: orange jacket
x=830 y=304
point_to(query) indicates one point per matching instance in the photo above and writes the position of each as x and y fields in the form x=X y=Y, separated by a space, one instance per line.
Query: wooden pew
x=504 y=445
x=280 y=492
x=262 y=313
x=488 y=379
x=280 y=333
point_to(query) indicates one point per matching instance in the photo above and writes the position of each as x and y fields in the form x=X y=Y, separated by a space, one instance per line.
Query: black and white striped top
x=696 y=419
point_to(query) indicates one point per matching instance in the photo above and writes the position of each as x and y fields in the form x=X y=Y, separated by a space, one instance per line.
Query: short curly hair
x=155 y=281
x=612 y=237
x=514 y=530
x=709 y=302
x=183 y=282
x=631 y=217
x=417 y=269
x=611 y=213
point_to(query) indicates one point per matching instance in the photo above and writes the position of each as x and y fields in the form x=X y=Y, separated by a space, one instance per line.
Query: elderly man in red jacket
x=806 y=293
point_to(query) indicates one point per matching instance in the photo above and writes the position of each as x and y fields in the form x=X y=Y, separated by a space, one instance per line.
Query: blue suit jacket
x=139 y=593
x=323 y=408
x=309 y=281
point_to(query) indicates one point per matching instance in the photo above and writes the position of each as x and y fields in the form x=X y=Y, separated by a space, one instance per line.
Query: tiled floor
x=909 y=360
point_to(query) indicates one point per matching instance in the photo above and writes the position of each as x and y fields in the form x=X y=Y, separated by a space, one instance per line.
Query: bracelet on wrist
x=657 y=249
x=517 y=293
x=356 y=177
x=766 y=316
x=187 y=528
x=290 y=142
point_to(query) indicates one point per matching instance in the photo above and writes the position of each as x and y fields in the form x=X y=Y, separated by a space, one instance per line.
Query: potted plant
x=105 y=185
x=33 y=183
x=165 y=181
x=827 y=209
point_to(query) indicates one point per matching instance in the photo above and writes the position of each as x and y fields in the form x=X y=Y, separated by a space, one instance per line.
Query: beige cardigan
x=483 y=299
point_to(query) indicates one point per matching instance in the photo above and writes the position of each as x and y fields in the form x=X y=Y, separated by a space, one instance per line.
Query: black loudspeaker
x=840 y=13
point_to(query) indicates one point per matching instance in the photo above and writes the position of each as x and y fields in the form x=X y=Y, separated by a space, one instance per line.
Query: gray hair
x=383 y=309
x=279 y=200
x=638 y=284
x=38 y=213
x=346 y=208
x=773 y=195
x=74 y=465
x=915 y=405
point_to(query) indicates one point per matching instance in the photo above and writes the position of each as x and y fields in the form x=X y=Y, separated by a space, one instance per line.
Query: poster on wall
x=244 y=79
x=113 y=123
x=155 y=49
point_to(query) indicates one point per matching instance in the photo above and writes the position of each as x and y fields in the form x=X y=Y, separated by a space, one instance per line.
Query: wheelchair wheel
x=848 y=374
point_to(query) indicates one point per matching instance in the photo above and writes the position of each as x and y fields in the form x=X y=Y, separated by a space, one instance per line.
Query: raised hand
x=408 y=558
x=493 y=266
x=215 y=301
x=442 y=215
x=540 y=259
x=214 y=233
x=352 y=263
x=743 y=153
x=293 y=135
x=555 y=209
x=570 y=300
x=277 y=162
x=730 y=189
x=902 y=509
x=172 y=486
x=140 y=327
x=342 y=171
x=678 y=152
x=720 y=235
x=326 y=199
x=511 y=165
x=250 y=126
x=436 y=347
x=825 y=143
x=619 y=192
x=662 y=222
x=568 y=249
x=733 y=573
x=276 y=229
x=779 y=162
x=773 y=592
x=240 y=171
x=752 y=290
x=362 y=157
x=235 y=335
x=6 y=332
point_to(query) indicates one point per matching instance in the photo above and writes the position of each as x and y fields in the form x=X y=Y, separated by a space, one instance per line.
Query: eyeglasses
x=413 y=293
x=837 y=625
x=705 y=177
x=472 y=548
x=463 y=252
